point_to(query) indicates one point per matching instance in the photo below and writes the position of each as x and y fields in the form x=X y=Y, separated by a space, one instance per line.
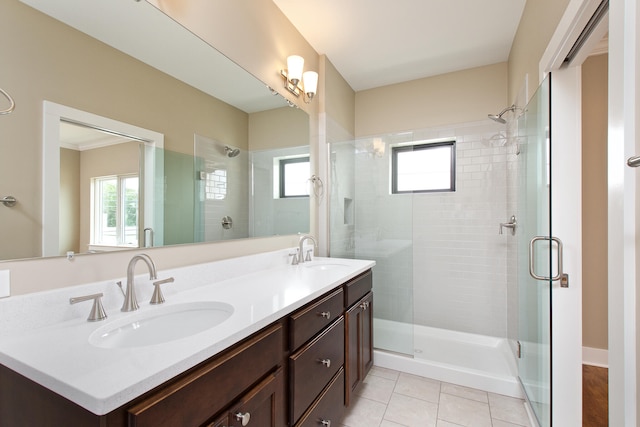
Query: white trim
x=52 y=113
x=566 y=224
x=623 y=237
x=575 y=18
x=595 y=357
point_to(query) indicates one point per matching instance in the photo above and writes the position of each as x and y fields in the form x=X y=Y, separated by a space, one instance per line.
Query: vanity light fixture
x=296 y=81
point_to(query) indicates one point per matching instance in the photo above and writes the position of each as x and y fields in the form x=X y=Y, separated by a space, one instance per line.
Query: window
x=215 y=184
x=115 y=210
x=294 y=177
x=421 y=168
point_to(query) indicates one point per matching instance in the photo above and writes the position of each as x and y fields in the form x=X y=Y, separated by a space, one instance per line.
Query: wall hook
x=8 y=201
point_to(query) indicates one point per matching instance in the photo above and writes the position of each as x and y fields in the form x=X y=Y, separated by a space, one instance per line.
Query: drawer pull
x=325 y=314
x=364 y=305
x=245 y=418
x=326 y=423
x=325 y=362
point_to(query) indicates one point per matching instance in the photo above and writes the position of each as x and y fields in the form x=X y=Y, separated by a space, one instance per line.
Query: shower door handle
x=564 y=278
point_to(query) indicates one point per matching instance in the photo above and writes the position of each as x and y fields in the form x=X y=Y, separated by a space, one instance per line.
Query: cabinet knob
x=325 y=314
x=364 y=305
x=326 y=423
x=245 y=418
x=325 y=362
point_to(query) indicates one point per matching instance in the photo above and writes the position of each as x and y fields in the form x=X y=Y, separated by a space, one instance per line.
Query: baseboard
x=595 y=357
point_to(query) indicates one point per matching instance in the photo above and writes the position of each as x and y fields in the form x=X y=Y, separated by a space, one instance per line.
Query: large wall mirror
x=129 y=131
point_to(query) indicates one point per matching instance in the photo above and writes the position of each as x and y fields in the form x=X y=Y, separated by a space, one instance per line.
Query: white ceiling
x=374 y=43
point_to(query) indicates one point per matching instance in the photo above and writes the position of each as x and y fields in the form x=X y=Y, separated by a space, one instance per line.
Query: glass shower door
x=534 y=253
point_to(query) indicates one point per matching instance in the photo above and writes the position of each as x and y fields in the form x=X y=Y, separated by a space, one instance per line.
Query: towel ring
x=11 y=101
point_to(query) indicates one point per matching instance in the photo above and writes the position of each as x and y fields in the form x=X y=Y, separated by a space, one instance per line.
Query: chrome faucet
x=301 y=257
x=130 y=300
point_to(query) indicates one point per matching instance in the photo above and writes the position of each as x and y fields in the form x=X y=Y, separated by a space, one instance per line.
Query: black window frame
x=419 y=147
x=282 y=164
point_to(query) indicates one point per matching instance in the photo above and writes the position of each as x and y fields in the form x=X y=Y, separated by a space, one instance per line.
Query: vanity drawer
x=308 y=321
x=329 y=406
x=207 y=389
x=312 y=367
x=358 y=287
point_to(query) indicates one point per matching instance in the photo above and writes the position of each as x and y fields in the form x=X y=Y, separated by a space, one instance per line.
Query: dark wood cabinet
x=314 y=365
x=329 y=408
x=262 y=406
x=359 y=343
x=299 y=371
x=198 y=395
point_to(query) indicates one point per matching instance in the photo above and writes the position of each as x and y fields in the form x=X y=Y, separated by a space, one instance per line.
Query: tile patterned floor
x=394 y=399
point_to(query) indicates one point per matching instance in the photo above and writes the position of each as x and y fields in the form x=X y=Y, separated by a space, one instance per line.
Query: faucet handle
x=157 y=297
x=295 y=255
x=97 y=310
x=308 y=257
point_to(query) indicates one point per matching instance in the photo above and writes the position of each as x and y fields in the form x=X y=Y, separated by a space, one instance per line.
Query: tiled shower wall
x=440 y=257
x=460 y=259
x=221 y=190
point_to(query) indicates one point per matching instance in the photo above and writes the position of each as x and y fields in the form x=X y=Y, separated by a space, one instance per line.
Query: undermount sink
x=158 y=325
x=324 y=265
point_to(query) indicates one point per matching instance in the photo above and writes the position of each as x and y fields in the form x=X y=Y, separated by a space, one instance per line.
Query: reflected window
x=294 y=177
x=423 y=167
x=215 y=187
x=114 y=210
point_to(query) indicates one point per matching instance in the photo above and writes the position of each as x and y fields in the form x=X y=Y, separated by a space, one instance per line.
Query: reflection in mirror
x=84 y=154
x=150 y=73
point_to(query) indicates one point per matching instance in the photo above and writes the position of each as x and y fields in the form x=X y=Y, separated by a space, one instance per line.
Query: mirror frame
x=52 y=115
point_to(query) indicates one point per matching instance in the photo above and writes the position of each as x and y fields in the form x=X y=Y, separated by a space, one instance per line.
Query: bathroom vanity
x=291 y=354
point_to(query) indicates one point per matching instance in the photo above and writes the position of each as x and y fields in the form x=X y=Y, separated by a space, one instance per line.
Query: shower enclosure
x=455 y=298
x=440 y=280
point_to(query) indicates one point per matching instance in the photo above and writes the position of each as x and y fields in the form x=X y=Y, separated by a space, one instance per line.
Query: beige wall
x=69 y=201
x=594 y=202
x=253 y=33
x=266 y=132
x=54 y=62
x=338 y=99
x=458 y=97
x=538 y=23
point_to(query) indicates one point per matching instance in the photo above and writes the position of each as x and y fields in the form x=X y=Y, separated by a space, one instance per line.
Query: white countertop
x=53 y=350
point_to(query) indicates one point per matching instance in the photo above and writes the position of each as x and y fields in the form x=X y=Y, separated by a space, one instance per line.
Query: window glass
x=115 y=210
x=294 y=177
x=423 y=167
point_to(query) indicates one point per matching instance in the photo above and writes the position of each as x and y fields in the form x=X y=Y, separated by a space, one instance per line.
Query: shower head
x=231 y=152
x=498 y=117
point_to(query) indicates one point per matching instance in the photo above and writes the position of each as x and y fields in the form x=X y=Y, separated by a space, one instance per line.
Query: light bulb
x=295 y=64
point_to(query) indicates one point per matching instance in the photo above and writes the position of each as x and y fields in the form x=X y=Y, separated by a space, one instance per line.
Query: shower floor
x=470 y=360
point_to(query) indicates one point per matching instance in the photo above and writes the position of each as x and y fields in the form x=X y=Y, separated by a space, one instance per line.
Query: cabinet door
x=359 y=345
x=262 y=406
x=366 y=343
